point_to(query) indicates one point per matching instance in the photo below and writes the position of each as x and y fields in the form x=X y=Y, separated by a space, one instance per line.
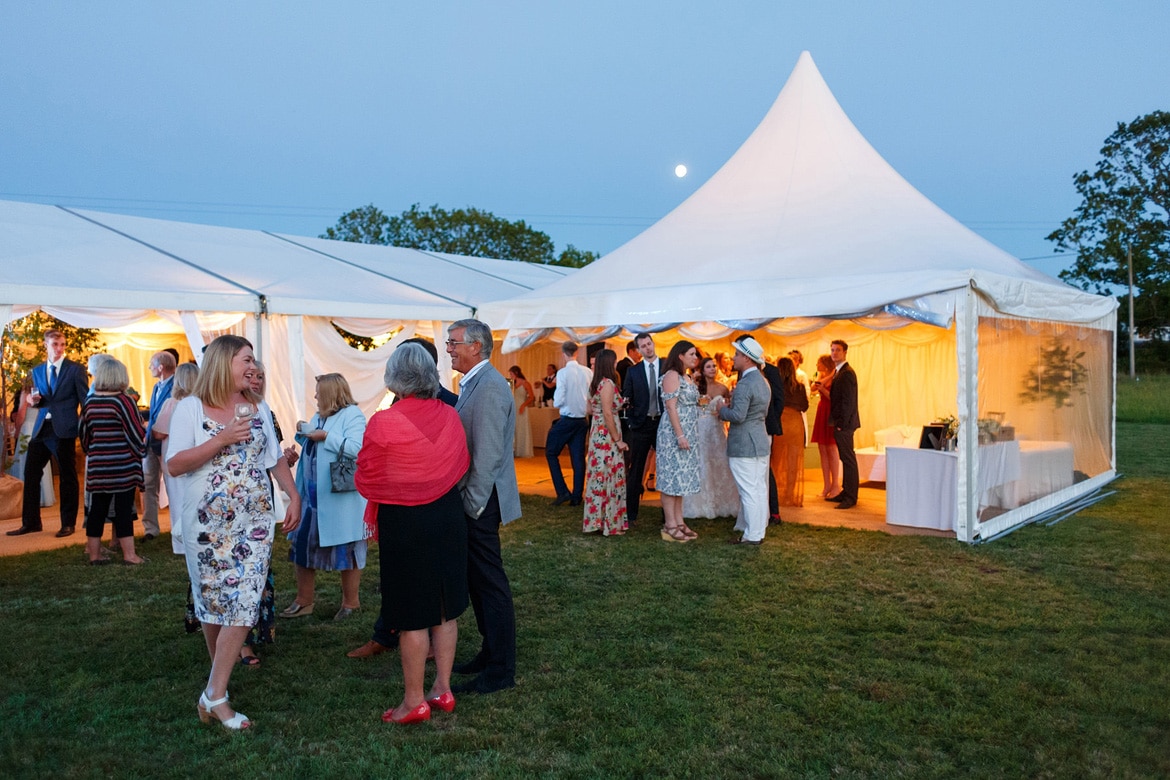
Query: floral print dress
x=229 y=542
x=678 y=469
x=605 y=475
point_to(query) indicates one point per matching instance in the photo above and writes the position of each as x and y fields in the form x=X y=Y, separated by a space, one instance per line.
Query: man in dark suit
x=845 y=420
x=644 y=409
x=384 y=639
x=631 y=359
x=490 y=499
x=772 y=423
x=59 y=388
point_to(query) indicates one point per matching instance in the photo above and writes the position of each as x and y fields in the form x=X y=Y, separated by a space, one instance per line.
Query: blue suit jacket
x=64 y=404
x=158 y=397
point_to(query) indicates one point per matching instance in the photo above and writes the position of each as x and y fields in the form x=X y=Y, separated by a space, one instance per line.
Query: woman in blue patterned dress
x=223 y=445
x=678 y=441
x=332 y=533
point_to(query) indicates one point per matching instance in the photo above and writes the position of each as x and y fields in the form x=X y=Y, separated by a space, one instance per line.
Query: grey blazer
x=488 y=413
x=747 y=436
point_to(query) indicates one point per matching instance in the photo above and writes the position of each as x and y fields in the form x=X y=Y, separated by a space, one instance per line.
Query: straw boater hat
x=750 y=347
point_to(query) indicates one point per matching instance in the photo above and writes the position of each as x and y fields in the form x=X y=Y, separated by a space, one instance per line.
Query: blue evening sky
x=572 y=116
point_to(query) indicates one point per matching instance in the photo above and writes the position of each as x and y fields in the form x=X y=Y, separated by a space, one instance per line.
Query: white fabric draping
x=326 y=352
x=370 y=328
x=279 y=391
x=710 y=331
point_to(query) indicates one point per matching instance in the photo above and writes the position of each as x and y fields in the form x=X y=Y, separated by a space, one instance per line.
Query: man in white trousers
x=748 y=443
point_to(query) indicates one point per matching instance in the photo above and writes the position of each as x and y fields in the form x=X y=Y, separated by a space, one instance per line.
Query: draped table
x=540 y=419
x=922 y=486
x=1045 y=467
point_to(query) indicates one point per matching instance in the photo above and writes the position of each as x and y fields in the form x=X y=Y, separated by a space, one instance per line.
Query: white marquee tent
x=806 y=234
x=136 y=278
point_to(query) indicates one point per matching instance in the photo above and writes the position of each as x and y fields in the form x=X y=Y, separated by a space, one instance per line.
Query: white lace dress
x=718 y=496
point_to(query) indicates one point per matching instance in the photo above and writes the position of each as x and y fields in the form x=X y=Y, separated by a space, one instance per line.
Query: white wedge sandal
x=237 y=722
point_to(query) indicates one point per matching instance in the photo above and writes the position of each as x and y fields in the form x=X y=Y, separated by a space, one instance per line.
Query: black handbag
x=341 y=473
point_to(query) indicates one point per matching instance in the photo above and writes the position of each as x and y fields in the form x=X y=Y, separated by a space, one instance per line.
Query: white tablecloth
x=871 y=464
x=922 y=485
x=1045 y=467
x=999 y=463
x=540 y=419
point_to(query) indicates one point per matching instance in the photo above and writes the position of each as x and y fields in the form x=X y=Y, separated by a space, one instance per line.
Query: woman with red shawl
x=408 y=469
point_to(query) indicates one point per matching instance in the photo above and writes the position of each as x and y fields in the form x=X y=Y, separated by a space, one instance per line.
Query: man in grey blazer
x=490 y=499
x=748 y=443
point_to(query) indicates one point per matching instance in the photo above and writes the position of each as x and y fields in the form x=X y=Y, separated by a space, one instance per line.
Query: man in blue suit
x=59 y=387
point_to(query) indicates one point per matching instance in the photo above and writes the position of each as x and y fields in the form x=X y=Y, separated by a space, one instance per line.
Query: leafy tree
x=572 y=257
x=1121 y=230
x=23 y=347
x=467 y=231
x=367 y=225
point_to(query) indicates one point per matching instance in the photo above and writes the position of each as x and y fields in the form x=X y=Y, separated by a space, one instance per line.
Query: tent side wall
x=1040 y=422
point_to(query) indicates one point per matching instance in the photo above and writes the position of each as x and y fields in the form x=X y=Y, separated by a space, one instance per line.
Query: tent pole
x=966 y=344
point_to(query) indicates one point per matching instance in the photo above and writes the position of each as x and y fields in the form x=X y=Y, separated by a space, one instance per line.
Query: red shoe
x=446 y=702
x=417 y=715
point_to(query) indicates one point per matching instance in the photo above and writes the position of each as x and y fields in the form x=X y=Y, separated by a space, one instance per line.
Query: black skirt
x=423 y=554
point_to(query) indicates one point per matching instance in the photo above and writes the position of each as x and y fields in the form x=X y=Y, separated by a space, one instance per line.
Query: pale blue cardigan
x=339 y=515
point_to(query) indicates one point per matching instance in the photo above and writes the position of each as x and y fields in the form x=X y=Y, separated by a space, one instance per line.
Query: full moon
x=680 y=170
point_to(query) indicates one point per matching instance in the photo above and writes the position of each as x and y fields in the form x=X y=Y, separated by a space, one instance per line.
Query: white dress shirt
x=572 y=393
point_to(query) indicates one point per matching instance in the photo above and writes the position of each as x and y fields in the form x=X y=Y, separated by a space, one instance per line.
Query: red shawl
x=412 y=454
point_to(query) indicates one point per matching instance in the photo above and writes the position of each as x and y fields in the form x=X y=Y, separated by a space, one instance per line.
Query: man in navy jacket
x=59 y=387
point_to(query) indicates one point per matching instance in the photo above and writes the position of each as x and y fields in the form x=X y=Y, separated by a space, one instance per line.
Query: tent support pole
x=967 y=346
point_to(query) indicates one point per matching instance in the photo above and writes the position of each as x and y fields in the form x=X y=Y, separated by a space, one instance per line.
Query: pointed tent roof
x=805 y=219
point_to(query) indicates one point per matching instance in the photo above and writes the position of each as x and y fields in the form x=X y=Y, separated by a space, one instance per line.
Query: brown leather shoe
x=369 y=650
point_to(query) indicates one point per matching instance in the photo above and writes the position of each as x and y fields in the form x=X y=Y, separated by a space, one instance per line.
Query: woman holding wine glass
x=223 y=445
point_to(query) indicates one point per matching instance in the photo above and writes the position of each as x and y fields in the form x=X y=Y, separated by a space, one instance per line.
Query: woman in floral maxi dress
x=605 y=474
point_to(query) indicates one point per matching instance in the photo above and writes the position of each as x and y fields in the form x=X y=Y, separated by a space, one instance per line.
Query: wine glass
x=244 y=411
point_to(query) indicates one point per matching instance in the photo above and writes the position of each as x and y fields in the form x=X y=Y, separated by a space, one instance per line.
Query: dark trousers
x=491 y=595
x=99 y=507
x=41 y=449
x=641 y=440
x=387 y=637
x=569 y=431
x=773 y=495
x=849 y=475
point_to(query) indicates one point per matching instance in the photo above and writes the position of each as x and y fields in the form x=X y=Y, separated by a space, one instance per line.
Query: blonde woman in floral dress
x=605 y=475
x=223 y=445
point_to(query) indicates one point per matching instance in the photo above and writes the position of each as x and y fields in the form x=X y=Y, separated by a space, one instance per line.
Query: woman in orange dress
x=790 y=473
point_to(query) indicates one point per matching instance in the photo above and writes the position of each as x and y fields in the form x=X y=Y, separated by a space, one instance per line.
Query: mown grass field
x=824 y=653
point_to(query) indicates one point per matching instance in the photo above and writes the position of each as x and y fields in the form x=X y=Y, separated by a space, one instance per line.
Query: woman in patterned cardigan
x=112 y=436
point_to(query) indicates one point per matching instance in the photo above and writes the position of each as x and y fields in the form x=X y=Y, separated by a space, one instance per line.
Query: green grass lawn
x=823 y=653
x=1144 y=399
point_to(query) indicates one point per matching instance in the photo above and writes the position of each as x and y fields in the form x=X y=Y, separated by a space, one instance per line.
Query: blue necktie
x=52 y=378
